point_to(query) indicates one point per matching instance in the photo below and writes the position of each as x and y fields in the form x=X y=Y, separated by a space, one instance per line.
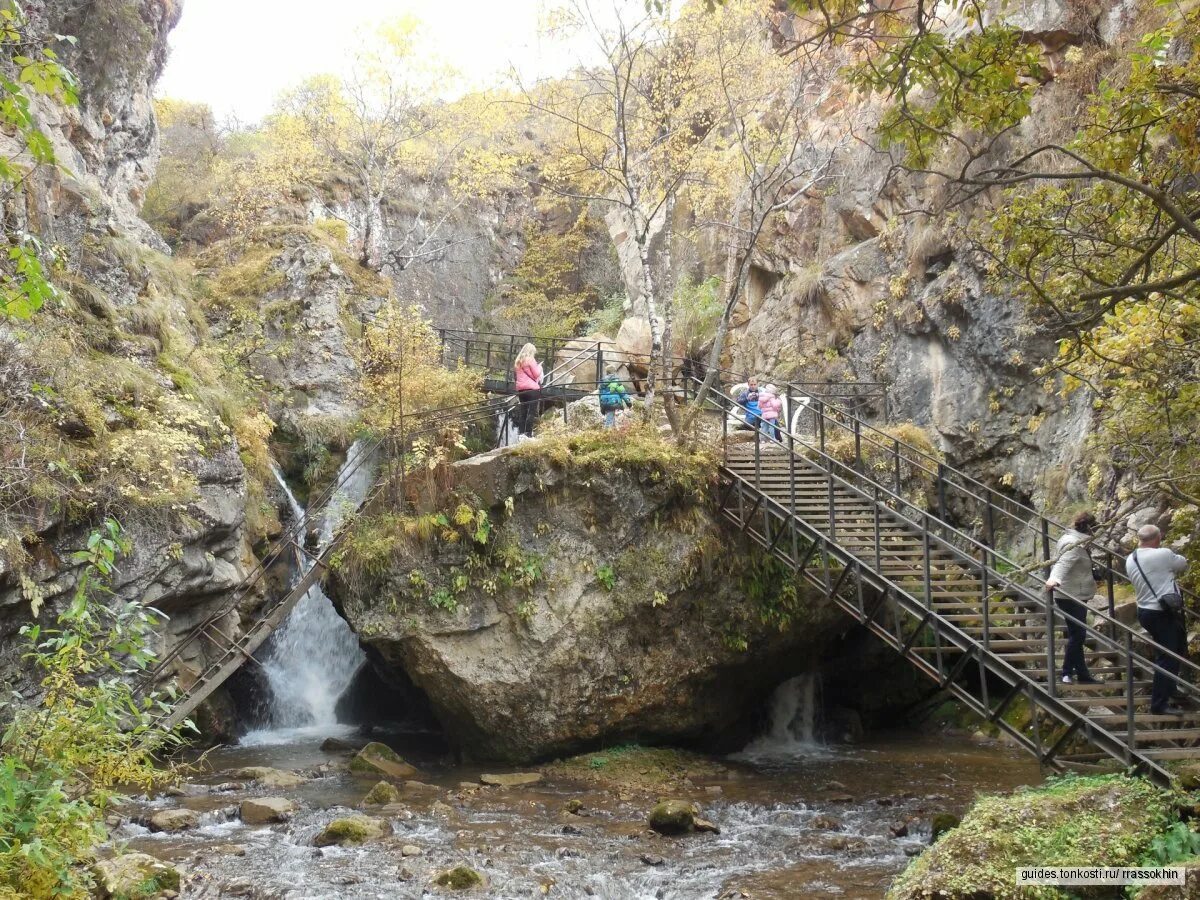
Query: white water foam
x=792 y=728
x=313 y=656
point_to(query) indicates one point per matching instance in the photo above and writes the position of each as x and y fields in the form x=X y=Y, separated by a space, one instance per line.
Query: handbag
x=1172 y=601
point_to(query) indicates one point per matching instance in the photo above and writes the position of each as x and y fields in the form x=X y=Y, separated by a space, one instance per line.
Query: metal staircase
x=963 y=613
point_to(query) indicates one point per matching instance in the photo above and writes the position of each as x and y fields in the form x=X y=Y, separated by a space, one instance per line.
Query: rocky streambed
x=254 y=821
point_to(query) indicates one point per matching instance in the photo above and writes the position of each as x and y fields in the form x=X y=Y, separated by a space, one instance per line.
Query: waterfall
x=313 y=656
x=792 y=727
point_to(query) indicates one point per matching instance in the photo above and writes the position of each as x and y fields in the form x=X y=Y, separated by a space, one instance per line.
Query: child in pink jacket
x=771 y=405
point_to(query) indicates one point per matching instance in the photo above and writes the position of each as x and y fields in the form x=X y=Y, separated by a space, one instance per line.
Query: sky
x=239 y=55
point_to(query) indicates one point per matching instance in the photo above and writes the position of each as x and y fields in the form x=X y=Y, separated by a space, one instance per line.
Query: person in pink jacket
x=771 y=405
x=528 y=373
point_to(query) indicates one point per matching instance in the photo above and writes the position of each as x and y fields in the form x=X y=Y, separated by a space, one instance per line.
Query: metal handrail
x=1044 y=530
x=998 y=577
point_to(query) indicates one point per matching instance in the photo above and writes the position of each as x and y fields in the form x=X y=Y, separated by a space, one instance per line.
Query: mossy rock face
x=673 y=817
x=657 y=770
x=1189 y=776
x=134 y=876
x=941 y=823
x=1106 y=820
x=349 y=831
x=460 y=878
x=380 y=759
x=381 y=795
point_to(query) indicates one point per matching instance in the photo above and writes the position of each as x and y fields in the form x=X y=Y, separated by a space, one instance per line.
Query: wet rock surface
x=772 y=843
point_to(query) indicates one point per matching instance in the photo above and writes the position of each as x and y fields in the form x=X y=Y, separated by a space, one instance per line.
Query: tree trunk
x=643 y=243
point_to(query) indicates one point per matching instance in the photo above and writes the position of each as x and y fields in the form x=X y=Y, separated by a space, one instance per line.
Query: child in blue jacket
x=613 y=397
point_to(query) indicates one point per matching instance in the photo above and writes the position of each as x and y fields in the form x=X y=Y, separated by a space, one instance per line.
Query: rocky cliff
x=574 y=592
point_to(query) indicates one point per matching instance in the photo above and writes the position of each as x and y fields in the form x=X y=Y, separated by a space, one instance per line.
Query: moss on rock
x=380 y=759
x=348 y=831
x=460 y=878
x=1072 y=821
x=134 y=876
x=673 y=817
x=631 y=767
x=381 y=795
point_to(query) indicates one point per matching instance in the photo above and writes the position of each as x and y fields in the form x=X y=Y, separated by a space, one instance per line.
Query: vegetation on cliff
x=69 y=752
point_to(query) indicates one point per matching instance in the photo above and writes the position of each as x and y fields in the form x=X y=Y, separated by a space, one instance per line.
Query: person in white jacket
x=1073 y=586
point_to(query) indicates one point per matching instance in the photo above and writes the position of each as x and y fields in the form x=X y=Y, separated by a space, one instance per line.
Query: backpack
x=611 y=398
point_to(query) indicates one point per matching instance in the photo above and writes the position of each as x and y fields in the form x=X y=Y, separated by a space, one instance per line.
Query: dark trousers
x=1074 y=662
x=527 y=410
x=1167 y=630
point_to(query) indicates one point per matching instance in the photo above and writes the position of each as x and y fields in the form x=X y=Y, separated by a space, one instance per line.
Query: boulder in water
x=349 y=831
x=269 y=777
x=337 y=745
x=134 y=876
x=460 y=878
x=673 y=817
x=380 y=759
x=705 y=826
x=511 y=779
x=419 y=788
x=174 y=820
x=265 y=810
x=381 y=795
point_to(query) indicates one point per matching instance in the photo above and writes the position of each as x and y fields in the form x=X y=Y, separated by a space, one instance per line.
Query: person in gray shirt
x=1152 y=569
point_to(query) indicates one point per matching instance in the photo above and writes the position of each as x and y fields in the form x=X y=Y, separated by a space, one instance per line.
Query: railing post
x=1051 y=671
x=792 y=471
x=941 y=491
x=1130 y=718
x=878 y=536
x=1046 y=543
x=896 y=464
x=987 y=601
x=758 y=458
x=819 y=411
x=857 y=444
x=599 y=364
x=1109 y=584
x=927 y=563
x=989 y=527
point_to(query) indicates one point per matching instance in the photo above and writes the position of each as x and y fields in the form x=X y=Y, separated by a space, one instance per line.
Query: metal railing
x=942 y=551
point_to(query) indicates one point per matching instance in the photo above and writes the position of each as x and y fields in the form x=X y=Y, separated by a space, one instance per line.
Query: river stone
x=460 y=878
x=349 y=831
x=269 y=777
x=134 y=876
x=419 y=788
x=265 y=810
x=673 y=817
x=512 y=779
x=380 y=759
x=337 y=745
x=411 y=850
x=705 y=826
x=174 y=820
x=381 y=795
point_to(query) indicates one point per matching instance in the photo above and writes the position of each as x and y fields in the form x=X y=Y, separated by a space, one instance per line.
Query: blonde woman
x=528 y=372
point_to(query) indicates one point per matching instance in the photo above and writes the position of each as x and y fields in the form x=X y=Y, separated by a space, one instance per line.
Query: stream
x=796 y=819
x=811 y=822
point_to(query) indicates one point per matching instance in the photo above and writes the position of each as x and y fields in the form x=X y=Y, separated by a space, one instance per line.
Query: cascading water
x=313 y=656
x=792 y=730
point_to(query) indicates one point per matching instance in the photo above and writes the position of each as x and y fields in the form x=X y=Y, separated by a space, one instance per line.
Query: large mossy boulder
x=460 y=878
x=673 y=817
x=381 y=795
x=573 y=591
x=349 y=831
x=277 y=779
x=1106 y=820
x=380 y=759
x=134 y=876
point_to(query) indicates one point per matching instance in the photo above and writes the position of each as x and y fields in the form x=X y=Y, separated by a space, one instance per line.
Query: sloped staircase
x=969 y=618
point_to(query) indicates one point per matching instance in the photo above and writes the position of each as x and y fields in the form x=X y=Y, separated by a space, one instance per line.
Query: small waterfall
x=792 y=730
x=313 y=656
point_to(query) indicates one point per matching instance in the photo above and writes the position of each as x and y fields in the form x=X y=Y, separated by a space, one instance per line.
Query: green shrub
x=65 y=759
